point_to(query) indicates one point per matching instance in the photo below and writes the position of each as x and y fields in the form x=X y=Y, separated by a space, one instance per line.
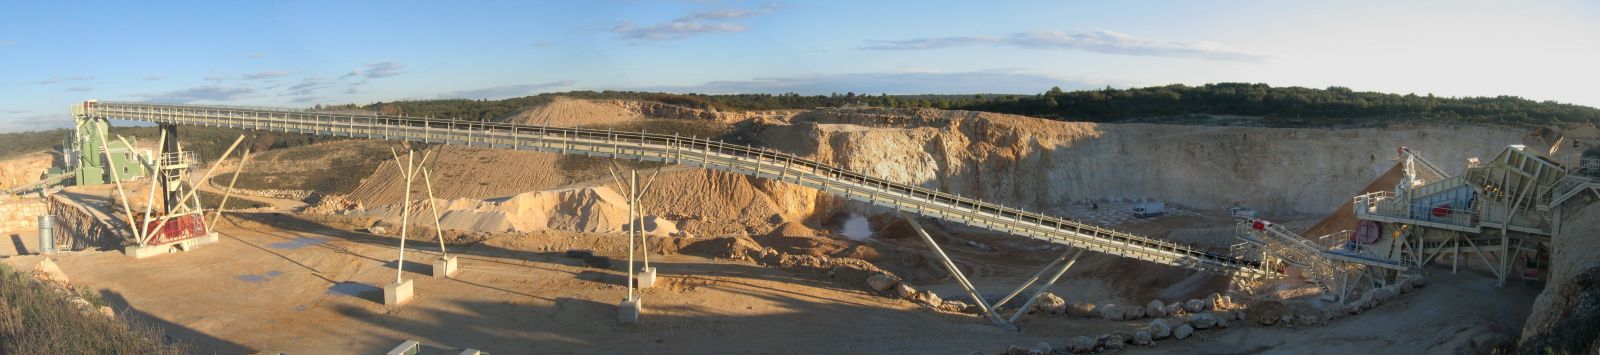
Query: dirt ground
x=277 y=282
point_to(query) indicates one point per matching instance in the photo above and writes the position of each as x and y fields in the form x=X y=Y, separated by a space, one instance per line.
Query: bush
x=34 y=320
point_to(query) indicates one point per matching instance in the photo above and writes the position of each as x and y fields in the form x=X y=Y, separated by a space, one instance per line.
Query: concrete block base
x=628 y=311
x=409 y=347
x=647 y=277
x=445 y=267
x=145 y=251
x=396 y=294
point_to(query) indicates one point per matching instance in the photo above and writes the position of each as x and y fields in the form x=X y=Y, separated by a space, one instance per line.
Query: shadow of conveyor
x=174 y=334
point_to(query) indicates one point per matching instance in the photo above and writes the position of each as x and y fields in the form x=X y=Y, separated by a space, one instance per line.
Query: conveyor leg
x=1046 y=286
x=983 y=306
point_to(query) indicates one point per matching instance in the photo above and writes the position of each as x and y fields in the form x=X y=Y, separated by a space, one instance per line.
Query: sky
x=302 y=53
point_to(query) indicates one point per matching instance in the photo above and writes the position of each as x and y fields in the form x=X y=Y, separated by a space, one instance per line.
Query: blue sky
x=301 y=53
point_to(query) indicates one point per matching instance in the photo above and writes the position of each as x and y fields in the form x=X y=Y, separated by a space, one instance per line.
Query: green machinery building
x=85 y=156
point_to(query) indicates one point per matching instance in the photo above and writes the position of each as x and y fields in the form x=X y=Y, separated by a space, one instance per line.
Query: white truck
x=1149 y=209
x=1243 y=213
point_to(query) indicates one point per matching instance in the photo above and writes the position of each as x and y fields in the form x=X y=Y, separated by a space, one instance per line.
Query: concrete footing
x=141 y=252
x=409 y=347
x=145 y=251
x=628 y=311
x=445 y=267
x=398 y=293
x=647 y=277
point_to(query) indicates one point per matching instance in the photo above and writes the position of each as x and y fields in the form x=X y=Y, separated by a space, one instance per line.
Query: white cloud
x=80 y=88
x=257 y=55
x=698 y=23
x=7 y=43
x=153 y=78
x=506 y=91
x=200 y=93
x=1098 y=41
x=377 y=70
x=265 y=75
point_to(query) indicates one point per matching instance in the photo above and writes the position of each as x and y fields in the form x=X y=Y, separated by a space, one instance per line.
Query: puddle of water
x=349 y=288
x=259 y=278
x=857 y=228
x=297 y=243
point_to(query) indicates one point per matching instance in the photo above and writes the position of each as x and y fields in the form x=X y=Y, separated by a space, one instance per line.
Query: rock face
x=1182 y=332
x=1037 y=163
x=1566 y=315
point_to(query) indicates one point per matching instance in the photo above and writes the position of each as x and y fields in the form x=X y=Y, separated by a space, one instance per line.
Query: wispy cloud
x=19 y=123
x=153 y=78
x=505 y=91
x=308 y=86
x=257 y=55
x=12 y=112
x=51 y=80
x=80 y=88
x=698 y=23
x=4 y=43
x=377 y=70
x=1098 y=41
x=80 y=78
x=265 y=75
x=899 y=82
x=200 y=93
x=543 y=44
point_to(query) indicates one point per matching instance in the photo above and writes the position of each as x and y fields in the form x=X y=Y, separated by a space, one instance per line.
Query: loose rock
x=1142 y=338
x=1109 y=311
x=882 y=282
x=1155 y=309
x=1081 y=344
x=1174 y=308
x=1042 y=348
x=1082 y=310
x=1194 y=306
x=1159 y=329
x=1133 y=312
x=1051 y=304
x=1113 y=341
x=1182 y=332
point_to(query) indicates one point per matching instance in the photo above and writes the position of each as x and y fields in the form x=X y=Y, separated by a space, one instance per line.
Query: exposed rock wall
x=1566 y=315
x=1040 y=163
x=20 y=214
x=79 y=227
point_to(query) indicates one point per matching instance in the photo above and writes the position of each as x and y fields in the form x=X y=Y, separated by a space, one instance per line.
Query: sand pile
x=594 y=209
x=569 y=112
x=462 y=172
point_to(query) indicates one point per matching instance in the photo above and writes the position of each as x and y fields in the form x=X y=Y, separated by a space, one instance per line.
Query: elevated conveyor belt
x=704 y=153
x=41 y=184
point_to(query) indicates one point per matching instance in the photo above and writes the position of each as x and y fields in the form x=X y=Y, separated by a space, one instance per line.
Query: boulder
x=1133 y=312
x=1142 y=338
x=1113 y=341
x=1307 y=320
x=1109 y=311
x=1286 y=319
x=1082 y=310
x=1159 y=329
x=882 y=282
x=1214 y=300
x=1183 y=331
x=108 y=312
x=926 y=297
x=1016 y=350
x=1174 y=308
x=1405 y=286
x=1155 y=309
x=47 y=271
x=1050 y=303
x=1081 y=344
x=954 y=306
x=902 y=290
x=1419 y=282
x=1201 y=320
x=1043 y=348
x=1194 y=306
